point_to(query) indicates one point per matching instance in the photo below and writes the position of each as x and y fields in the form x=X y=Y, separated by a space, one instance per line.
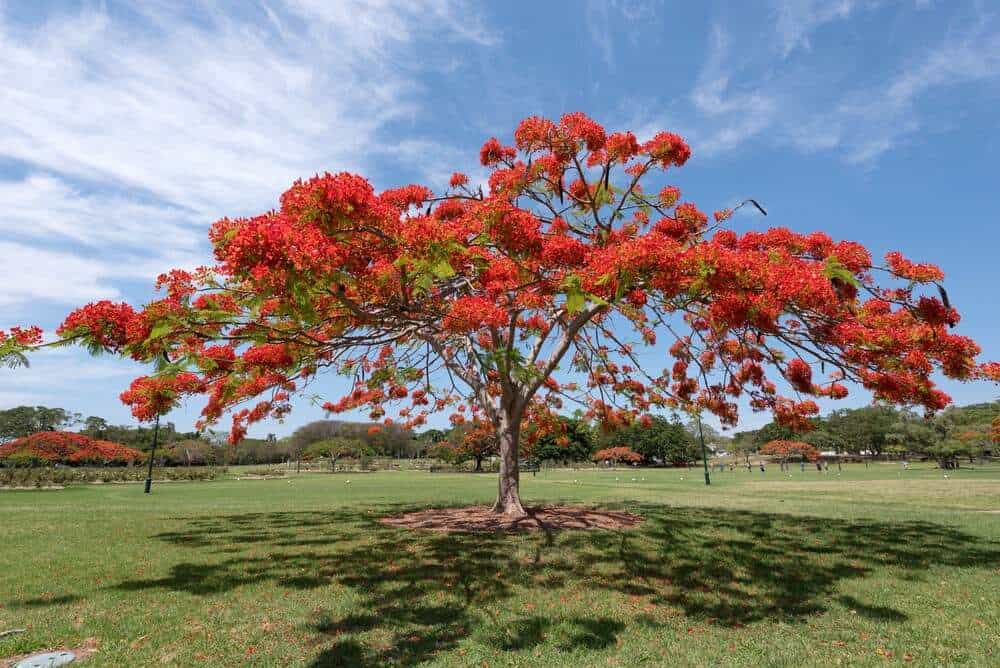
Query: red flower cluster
x=799 y=375
x=105 y=452
x=667 y=149
x=913 y=271
x=108 y=325
x=622 y=146
x=149 y=396
x=786 y=449
x=268 y=356
x=22 y=337
x=617 y=454
x=469 y=314
x=66 y=448
x=493 y=152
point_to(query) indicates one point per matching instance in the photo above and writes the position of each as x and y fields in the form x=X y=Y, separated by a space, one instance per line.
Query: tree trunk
x=508 y=496
x=479 y=464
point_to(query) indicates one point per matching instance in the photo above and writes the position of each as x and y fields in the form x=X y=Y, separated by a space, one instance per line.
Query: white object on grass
x=47 y=660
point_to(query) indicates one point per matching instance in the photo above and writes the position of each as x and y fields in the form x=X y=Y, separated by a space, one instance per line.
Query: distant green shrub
x=63 y=475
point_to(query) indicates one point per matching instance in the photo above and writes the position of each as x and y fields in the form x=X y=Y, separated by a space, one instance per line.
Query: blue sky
x=125 y=132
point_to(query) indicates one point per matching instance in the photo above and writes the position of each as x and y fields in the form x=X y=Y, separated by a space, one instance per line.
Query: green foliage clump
x=658 y=440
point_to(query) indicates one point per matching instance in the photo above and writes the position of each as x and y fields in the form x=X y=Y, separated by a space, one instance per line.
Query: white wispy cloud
x=796 y=20
x=889 y=114
x=731 y=114
x=747 y=91
x=29 y=274
x=62 y=372
x=604 y=18
x=47 y=208
x=141 y=125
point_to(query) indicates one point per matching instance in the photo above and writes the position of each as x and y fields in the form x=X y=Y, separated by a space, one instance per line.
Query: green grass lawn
x=871 y=567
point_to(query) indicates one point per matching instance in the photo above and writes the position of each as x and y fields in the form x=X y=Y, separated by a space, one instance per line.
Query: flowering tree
x=474 y=439
x=786 y=449
x=617 y=454
x=51 y=447
x=578 y=254
x=658 y=438
x=105 y=452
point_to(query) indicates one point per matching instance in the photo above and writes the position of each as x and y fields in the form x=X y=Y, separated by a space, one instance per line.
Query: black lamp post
x=704 y=454
x=152 y=455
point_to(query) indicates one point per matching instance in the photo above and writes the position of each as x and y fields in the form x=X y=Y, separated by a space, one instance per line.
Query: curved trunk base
x=510 y=507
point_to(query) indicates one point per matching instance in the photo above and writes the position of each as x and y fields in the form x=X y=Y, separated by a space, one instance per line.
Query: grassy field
x=870 y=567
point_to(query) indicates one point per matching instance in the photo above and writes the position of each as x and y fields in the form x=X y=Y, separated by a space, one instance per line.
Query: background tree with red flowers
x=470 y=441
x=551 y=286
x=618 y=454
x=62 y=447
x=785 y=450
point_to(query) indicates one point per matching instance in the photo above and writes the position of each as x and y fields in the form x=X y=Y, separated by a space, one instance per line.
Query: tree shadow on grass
x=592 y=634
x=422 y=593
x=45 y=601
x=876 y=613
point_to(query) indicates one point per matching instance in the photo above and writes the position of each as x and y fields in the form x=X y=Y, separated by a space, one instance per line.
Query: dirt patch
x=481 y=519
x=82 y=653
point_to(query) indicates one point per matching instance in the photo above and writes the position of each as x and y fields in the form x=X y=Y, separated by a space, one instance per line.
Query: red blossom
x=268 y=355
x=469 y=314
x=580 y=127
x=23 y=336
x=534 y=133
x=799 y=375
x=621 y=146
x=104 y=323
x=667 y=149
x=66 y=448
x=617 y=454
x=407 y=196
x=669 y=196
x=149 y=396
x=917 y=272
x=494 y=152
x=786 y=449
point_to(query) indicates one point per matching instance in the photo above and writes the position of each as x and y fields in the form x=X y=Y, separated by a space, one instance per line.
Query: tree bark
x=508 y=495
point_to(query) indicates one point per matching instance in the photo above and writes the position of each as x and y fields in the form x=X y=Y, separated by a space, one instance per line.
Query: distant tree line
x=873 y=431
x=958 y=433
x=655 y=440
x=191 y=448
